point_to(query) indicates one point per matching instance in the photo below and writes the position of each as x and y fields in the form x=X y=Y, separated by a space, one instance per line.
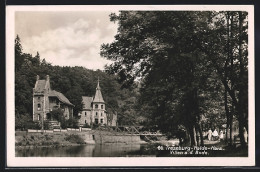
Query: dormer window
x=96 y=106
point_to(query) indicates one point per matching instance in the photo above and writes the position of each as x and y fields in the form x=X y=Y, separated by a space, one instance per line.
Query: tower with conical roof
x=99 y=112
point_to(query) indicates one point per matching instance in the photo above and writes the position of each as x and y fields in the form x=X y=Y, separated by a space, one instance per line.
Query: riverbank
x=109 y=144
x=48 y=139
x=25 y=139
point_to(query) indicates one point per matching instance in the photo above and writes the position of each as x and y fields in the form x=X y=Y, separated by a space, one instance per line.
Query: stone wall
x=116 y=139
x=87 y=137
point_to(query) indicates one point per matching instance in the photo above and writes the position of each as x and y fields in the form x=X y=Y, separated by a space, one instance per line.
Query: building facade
x=94 y=110
x=46 y=100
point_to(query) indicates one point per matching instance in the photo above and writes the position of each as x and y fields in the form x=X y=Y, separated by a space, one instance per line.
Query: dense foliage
x=193 y=67
x=73 y=82
x=24 y=122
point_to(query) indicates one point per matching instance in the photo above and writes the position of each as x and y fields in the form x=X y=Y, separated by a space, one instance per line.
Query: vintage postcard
x=104 y=85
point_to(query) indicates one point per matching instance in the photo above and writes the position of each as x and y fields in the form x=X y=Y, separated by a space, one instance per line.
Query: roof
x=40 y=85
x=98 y=96
x=87 y=102
x=60 y=96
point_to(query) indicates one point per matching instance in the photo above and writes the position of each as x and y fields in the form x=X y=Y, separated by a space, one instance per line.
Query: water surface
x=97 y=150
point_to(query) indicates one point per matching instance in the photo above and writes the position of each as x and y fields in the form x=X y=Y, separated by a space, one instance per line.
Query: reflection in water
x=68 y=151
x=108 y=150
x=98 y=150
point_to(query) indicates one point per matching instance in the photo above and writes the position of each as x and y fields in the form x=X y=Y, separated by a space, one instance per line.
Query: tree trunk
x=201 y=135
x=231 y=129
x=226 y=75
x=195 y=136
x=192 y=136
x=234 y=101
x=227 y=113
x=241 y=119
x=187 y=140
x=241 y=129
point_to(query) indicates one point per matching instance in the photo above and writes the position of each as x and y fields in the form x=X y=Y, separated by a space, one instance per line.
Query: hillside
x=73 y=82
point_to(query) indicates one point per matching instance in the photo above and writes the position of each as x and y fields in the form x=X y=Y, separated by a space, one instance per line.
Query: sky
x=66 y=38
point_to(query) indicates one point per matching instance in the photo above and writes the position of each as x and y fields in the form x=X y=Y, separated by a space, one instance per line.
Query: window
x=101 y=106
x=38 y=117
x=96 y=113
x=101 y=121
x=96 y=121
x=39 y=98
x=96 y=106
x=85 y=121
x=39 y=106
x=85 y=113
x=101 y=114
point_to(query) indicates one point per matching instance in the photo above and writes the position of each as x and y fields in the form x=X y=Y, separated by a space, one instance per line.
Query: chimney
x=47 y=77
x=37 y=77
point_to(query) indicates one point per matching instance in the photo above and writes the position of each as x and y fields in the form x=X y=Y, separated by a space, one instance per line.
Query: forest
x=73 y=82
x=172 y=71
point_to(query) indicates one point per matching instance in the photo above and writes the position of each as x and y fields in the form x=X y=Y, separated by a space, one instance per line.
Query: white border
x=13 y=161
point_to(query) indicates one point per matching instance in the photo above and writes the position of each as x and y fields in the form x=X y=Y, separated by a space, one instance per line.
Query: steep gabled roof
x=87 y=102
x=40 y=85
x=98 y=96
x=60 y=96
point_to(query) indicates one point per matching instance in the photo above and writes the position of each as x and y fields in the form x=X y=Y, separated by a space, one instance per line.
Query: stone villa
x=45 y=100
x=94 y=110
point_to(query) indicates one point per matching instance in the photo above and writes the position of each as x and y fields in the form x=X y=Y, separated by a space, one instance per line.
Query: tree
x=25 y=122
x=58 y=115
x=73 y=82
x=179 y=55
x=19 y=58
x=229 y=56
x=144 y=48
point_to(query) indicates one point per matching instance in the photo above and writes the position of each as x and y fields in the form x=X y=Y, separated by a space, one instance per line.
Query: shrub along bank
x=48 y=139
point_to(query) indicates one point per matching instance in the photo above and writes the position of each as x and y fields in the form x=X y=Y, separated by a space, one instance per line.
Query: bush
x=25 y=122
x=46 y=125
x=96 y=125
x=57 y=114
x=86 y=125
x=73 y=138
x=63 y=124
x=72 y=123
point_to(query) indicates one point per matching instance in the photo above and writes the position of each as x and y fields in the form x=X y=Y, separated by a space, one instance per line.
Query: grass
x=47 y=139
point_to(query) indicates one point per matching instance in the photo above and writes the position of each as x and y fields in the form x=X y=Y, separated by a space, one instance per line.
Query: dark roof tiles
x=87 y=102
x=40 y=85
x=60 y=96
x=98 y=96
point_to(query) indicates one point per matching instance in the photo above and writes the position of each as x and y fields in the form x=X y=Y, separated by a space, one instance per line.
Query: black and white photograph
x=130 y=85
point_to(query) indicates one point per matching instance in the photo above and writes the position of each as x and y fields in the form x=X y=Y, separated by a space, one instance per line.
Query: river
x=96 y=150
